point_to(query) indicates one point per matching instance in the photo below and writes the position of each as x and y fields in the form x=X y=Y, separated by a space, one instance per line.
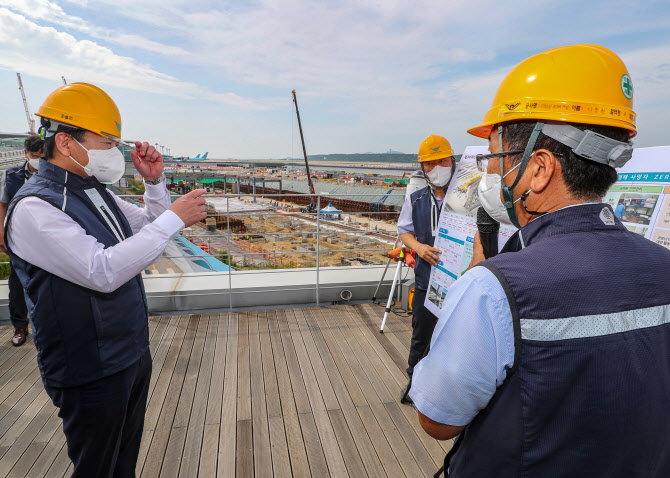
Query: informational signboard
x=641 y=196
x=640 y=199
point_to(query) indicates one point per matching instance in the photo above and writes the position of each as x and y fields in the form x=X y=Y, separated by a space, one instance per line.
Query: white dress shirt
x=48 y=238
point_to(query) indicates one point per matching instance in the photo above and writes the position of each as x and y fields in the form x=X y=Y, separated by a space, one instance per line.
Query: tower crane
x=31 y=122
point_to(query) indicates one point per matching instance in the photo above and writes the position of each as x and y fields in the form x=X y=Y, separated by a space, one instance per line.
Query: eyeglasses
x=483 y=159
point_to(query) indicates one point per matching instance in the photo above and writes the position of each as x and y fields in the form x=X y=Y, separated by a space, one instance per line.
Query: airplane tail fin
x=204 y=156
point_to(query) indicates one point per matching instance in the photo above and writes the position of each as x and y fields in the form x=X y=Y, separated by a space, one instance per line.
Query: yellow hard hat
x=85 y=106
x=434 y=147
x=577 y=84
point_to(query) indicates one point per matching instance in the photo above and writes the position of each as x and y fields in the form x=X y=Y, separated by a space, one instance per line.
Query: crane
x=31 y=122
x=312 y=204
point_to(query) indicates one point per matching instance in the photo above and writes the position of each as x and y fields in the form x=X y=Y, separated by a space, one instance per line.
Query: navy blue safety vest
x=80 y=334
x=15 y=178
x=589 y=392
x=423 y=231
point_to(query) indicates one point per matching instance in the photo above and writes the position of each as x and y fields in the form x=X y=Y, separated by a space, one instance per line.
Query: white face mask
x=106 y=165
x=34 y=162
x=439 y=176
x=489 y=189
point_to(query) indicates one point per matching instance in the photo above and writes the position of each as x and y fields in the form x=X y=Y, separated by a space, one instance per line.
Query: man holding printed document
x=79 y=251
x=551 y=358
x=417 y=226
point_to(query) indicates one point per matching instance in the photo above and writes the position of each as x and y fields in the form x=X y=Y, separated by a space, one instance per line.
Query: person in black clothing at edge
x=417 y=226
x=79 y=251
x=10 y=182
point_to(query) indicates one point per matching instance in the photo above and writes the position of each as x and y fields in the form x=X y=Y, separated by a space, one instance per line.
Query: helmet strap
x=508 y=191
x=523 y=198
x=50 y=127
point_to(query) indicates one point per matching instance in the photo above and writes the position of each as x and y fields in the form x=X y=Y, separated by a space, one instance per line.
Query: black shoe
x=404 y=393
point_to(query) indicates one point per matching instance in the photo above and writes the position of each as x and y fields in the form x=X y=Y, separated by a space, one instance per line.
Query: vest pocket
x=98 y=320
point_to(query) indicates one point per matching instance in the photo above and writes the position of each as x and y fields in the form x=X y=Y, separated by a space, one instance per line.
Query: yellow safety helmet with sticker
x=435 y=147
x=82 y=105
x=586 y=84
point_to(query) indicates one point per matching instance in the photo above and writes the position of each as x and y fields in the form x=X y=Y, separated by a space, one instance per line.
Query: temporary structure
x=331 y=212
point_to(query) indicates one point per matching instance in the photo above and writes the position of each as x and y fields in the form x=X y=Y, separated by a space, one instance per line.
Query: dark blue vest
x=81 y=335
x=15 y=178
x=589 y=391
x=421 y=220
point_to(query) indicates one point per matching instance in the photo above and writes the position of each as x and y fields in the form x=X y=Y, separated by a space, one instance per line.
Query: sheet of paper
x=457 y=228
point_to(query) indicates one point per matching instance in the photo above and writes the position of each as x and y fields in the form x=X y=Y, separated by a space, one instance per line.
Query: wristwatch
x=156 y=181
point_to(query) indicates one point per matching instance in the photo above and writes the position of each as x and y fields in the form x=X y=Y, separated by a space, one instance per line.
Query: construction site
x=269 y=234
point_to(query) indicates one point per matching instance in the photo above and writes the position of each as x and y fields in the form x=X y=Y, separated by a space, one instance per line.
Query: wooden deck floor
x=293 y=392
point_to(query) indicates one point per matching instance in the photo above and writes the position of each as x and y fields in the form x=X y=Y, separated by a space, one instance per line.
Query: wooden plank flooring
x=290 y=392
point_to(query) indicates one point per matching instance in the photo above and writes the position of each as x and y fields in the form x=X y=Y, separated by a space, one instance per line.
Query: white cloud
x=50 y=52
x=337 y=48
x=46 y=10
x=369 y=72
x=50 y=12
x=650 y=70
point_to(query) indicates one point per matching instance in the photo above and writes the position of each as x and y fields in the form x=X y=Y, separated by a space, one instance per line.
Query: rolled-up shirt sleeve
x=405 y=223
x=471 y=349
x=46 y=237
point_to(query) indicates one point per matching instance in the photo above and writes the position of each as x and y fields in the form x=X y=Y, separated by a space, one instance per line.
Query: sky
x=371 y=75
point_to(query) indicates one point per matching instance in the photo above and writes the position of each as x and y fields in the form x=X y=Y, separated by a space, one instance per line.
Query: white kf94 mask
x=106 y=165
x=439 y=176
x=489 y=189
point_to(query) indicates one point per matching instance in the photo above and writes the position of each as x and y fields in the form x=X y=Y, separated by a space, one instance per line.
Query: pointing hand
x=190 y=207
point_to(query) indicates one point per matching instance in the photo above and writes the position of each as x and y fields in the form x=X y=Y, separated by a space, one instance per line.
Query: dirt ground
x=302 y=233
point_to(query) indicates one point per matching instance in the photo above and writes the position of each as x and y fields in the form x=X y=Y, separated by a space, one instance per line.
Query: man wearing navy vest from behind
x=11 y=181
x=552 y=359
x=79 y=251
x=417 y=225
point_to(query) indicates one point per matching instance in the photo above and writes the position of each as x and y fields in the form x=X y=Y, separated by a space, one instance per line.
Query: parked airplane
x=198 y=158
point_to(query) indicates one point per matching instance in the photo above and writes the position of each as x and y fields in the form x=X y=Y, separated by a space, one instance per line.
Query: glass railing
x=246 y=234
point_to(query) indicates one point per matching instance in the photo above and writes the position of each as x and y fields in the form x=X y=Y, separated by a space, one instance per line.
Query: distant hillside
x=392 y=157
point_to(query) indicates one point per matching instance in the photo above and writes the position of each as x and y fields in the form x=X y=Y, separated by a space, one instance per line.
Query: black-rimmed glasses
x=483 y=159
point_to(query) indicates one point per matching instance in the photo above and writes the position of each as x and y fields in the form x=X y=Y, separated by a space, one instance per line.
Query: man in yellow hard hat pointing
x=417 y=226
x=551 y=358
x=79 y=251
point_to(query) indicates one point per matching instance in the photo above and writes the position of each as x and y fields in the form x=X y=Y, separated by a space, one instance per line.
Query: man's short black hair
x=50 y=142
x=34 y=144
x=586 y=180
